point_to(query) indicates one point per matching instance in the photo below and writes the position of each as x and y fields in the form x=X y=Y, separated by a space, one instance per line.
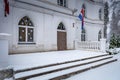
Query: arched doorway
x=61 y=37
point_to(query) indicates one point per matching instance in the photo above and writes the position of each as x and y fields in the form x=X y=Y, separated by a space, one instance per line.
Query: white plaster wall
x=45 y=30
x=92 y=10
x=43 y=6
x=78 y=30
x=3 y=53
x=49 y=32
x=70 y=3
x=79 y=5
x=45 y=27
x=1 y=10
x=92 y=31
x=52 y=1
x=92 y=24
x=6 y=22
x=4 y=50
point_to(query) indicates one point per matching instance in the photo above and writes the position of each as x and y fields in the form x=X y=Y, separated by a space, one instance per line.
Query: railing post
x=93 y=45
x=76 y=44
x=103 y=45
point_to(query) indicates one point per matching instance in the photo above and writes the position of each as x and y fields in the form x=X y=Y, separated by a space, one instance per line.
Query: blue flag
x=80 y=17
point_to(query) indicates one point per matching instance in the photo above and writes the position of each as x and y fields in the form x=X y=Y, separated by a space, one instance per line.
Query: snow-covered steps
x=69 y=72
x=59 y=70
x=78 y=71
x=49 y=65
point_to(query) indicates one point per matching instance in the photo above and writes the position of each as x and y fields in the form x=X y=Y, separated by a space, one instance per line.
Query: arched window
x=83 y=35
x=84 y=7
x=100 y=14
x=61 y=26
x=26 y=30
x=99 y=35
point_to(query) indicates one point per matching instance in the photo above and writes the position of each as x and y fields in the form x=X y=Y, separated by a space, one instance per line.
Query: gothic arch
x=25 y=21
x=61 y=26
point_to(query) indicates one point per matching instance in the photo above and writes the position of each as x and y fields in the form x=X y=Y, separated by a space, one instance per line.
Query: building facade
x=47 y=25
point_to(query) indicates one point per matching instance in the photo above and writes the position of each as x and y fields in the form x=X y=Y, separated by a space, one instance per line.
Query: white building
x=46 y=25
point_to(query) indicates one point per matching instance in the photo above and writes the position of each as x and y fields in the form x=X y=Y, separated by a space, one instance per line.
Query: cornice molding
x=43 y=7
x=40 y=9
x=50 y=3
x=92 y=21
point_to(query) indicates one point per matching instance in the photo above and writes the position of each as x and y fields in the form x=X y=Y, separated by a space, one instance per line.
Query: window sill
x=26 y=43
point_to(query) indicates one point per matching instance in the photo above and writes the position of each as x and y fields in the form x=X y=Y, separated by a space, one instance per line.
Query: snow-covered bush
x=113 y=51
x=6 y=74
x=114 y=42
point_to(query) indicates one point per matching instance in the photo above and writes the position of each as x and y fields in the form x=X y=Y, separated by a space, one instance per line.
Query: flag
x=6 y=8
x=81 y=17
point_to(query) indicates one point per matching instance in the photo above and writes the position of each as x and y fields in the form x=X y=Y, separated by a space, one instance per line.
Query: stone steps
x=66 y=73
x=54 y=64
x=63 y=70
x=80 y=71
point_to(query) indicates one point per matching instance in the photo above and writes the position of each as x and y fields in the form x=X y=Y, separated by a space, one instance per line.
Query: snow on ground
x=62 y=72
x=21 y=61
x=49 y=76
x=106 y=72
x=9 y=79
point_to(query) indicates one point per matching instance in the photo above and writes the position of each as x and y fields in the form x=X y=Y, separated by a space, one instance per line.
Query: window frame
x=26 y=26
x=63 y=3
x=100 y=14
x=26 y=34
x=99 y=35
x=83 y=35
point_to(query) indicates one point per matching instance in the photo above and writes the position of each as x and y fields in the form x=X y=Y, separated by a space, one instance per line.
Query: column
x=4 y=50
x=103 y=45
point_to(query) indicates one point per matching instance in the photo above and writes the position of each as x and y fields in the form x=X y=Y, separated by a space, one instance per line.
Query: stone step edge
x=83 y=70
x=64 y=68
x=49 y=65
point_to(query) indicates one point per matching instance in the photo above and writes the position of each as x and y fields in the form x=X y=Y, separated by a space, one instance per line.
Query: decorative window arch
x=83 y=35
x=99 y=35
x=84 y=7
x=61 y=26
x=26 y=30
x=100 y=14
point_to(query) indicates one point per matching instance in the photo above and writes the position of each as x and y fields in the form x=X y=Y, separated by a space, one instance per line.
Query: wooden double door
x=61 y=40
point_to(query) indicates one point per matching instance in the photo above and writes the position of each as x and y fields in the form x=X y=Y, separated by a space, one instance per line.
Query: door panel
x=61 y=40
